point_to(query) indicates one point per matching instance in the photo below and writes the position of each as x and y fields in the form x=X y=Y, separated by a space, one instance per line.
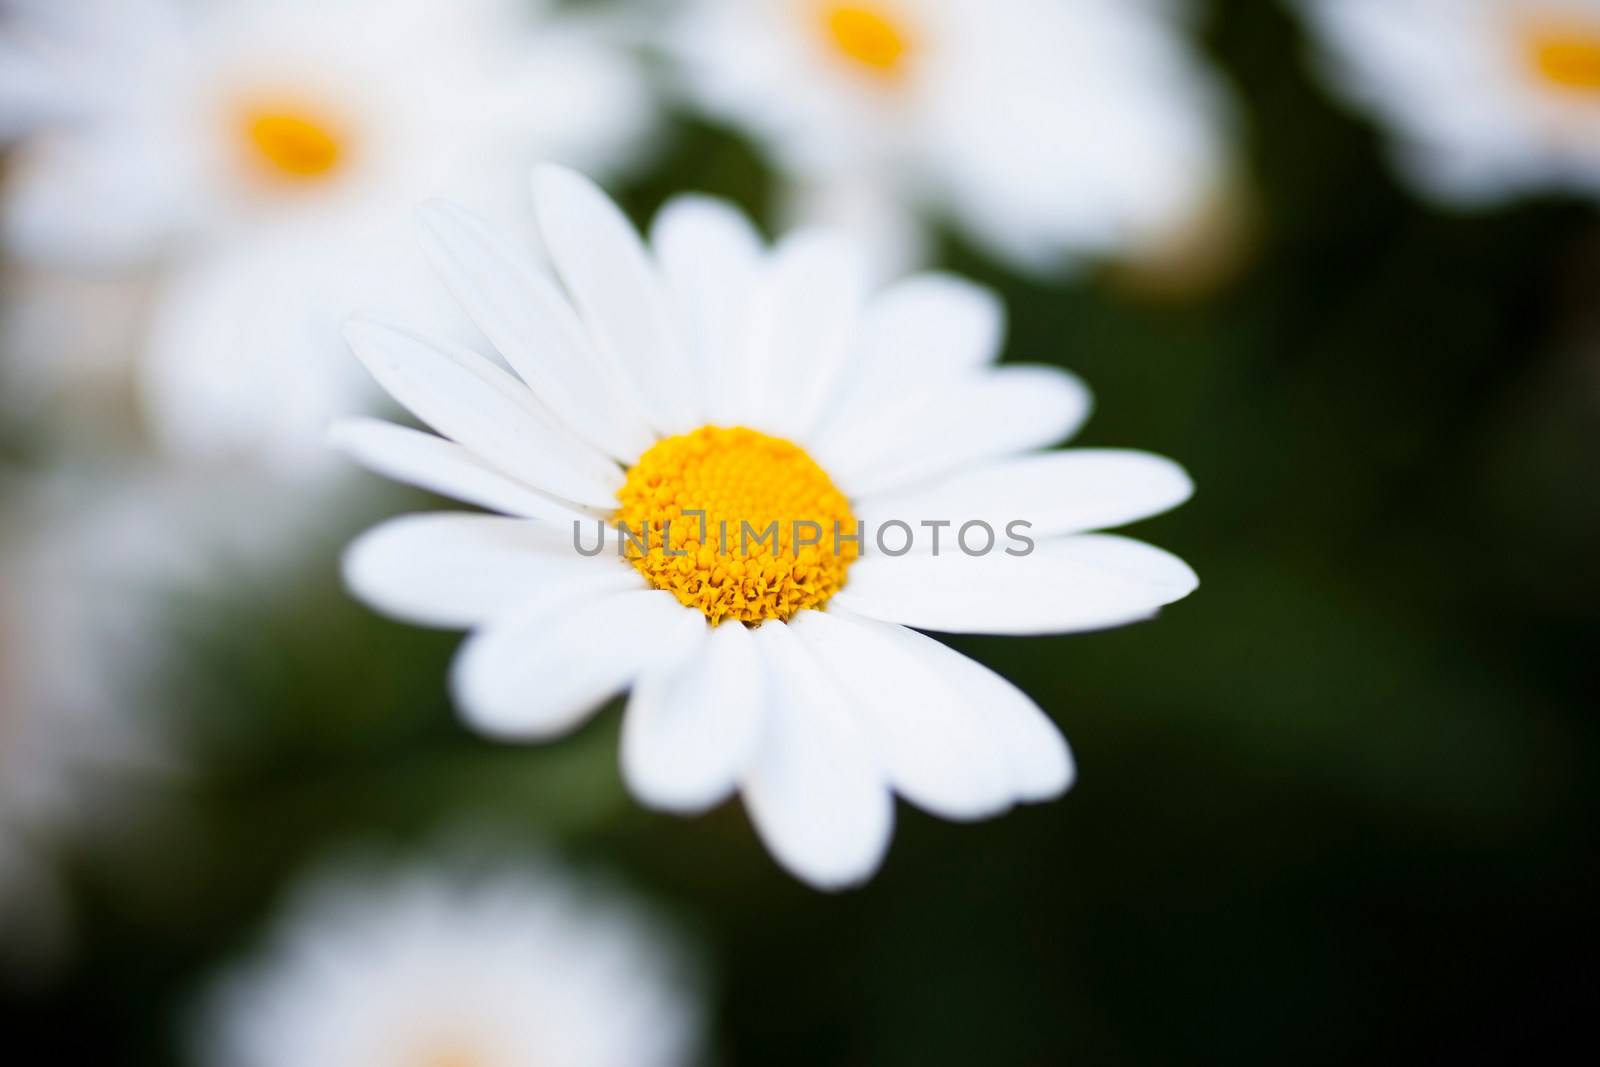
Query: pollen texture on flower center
x=1567 y=57
x=866 y=35
x=293 y=146
x=764 y=499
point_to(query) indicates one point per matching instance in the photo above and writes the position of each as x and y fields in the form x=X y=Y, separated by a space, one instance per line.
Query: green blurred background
x=1336 y=807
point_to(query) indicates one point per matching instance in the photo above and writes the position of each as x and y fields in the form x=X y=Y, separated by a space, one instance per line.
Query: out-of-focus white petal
x=802 y=321
x=814 y=793
x=532 y=325
x=917 y=333
x=612 y=281
x=457 y=570
x=1054 y=492
x=925 y=327
x=542 y=673
x=1086 y=582
x=444 y=467
x=868 y=206
x=691 y=728
x=710 y=257
x=100 y=200
x=473 y=402
x=243 y=364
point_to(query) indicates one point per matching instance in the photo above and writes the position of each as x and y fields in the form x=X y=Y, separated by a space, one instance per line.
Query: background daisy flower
x=1047 y=131
x=706 y=372
x=264 y=149
x=455 y=962
x=1486 y=100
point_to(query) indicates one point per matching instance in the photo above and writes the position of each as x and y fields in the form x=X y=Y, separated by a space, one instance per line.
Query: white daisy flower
x=1488 y=99
x=707 y=373
x=266 y=148
x=1048 y=130
x=447 y=965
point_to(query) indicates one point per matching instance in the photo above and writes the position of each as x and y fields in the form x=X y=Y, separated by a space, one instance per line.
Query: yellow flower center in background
x=1566 y=56
x=292 y=145
x=866 y=35
x=763 y=499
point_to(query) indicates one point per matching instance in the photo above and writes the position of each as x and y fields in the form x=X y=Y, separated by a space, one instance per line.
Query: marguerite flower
x=264 y=149
x=458 y=965
x=707 y=374
x=1488 y=99
x=1048 y=130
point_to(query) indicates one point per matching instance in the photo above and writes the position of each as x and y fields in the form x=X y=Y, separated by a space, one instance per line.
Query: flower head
x=454 y=964
x=1048 y=131
x=262 y=151
x=778 y=449
x=1487 y=100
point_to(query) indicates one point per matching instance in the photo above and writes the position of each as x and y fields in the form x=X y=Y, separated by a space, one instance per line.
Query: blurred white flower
x=47 y=59
x=91 y=563
x=78 y=570
x=458 y=965
x=1048 y=129
x=707 y=372
x=271 y=150
x=1487 y=99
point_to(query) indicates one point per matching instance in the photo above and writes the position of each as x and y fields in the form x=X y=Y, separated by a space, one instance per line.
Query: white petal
x=1086 y=582
x=868 y=204
x=924 y=329
x=1057 y=492
x=813 y=792
x=935 y=745
x=533 y=326
x=539 y=675
x=947 y=427
x=802 y=321
x=470 y=400
x=710 y=255
x=444 y=467
x=1039 y=763
x=691 y=729
x=616 y=289
x=455 y=570
x=243 y=365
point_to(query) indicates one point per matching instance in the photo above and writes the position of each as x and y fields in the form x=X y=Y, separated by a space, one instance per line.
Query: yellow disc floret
x=1567 y=57
x=776 y=535
x=292 y=146
x=867 y=35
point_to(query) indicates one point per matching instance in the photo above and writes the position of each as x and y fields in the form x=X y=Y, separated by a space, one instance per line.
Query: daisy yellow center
x=749 y=558
x=1567 y=57
x=867 y=35
x=292 y=145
